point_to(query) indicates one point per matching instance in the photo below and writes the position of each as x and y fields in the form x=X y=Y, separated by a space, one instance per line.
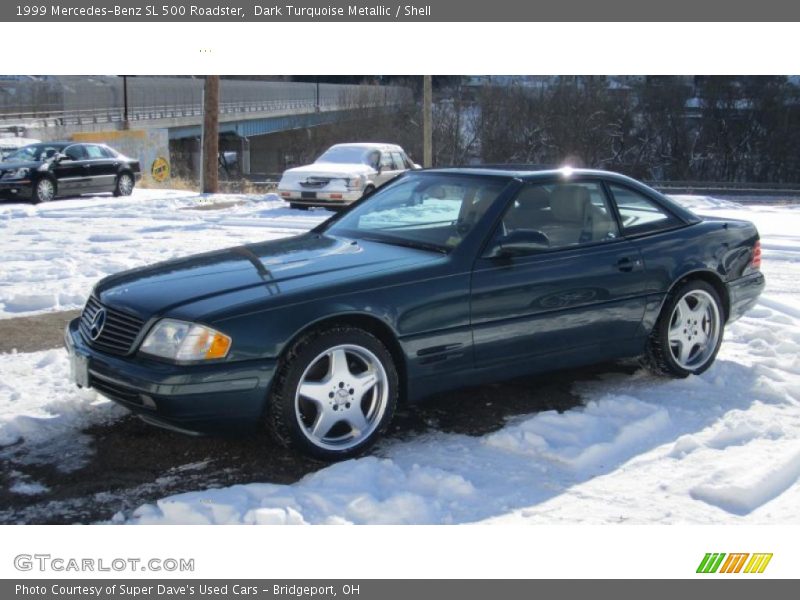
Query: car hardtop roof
x=67 y=143
x=566 y=174
x=520 y=172
x=368 y=145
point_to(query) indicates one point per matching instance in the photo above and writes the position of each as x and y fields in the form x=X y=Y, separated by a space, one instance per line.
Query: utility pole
x=210 y=140
x=125 y=123
x=427 y=122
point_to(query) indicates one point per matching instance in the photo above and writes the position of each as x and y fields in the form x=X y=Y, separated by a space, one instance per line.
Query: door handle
x=629 y=263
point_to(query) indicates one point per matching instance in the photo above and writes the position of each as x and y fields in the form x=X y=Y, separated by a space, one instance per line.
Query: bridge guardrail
x=151 y=113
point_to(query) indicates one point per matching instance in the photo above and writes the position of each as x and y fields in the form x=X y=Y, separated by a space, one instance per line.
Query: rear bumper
x=221 y=397
x=743 y=294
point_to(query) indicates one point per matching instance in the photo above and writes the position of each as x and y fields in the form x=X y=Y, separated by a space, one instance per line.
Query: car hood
x=279 y=267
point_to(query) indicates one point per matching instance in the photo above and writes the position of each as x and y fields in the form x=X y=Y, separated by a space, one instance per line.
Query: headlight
x=17 y=174
x=354 y=183
x=180 y=340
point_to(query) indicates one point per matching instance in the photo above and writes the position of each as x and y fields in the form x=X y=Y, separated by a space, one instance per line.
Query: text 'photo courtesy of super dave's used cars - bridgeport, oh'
x=439 y=279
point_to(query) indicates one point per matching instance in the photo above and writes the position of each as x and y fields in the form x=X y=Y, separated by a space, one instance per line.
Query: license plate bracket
x=79 y=369
x=308 y=195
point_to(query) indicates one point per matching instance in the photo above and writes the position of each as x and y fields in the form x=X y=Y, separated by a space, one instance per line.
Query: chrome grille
x=119 y=332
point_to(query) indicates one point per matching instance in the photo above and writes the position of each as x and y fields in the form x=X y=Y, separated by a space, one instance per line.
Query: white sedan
x=343 y=174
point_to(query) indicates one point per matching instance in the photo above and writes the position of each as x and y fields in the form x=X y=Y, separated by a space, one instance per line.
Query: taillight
x=756 y=262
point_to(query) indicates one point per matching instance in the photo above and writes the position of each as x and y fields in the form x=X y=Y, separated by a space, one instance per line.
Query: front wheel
x=688 y=334
x=124 y=185
x=44 y=190
x=335 y=393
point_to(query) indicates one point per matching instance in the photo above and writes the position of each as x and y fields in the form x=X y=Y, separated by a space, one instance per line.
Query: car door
x=72 y=170
x=556 y=278
x=102 y=168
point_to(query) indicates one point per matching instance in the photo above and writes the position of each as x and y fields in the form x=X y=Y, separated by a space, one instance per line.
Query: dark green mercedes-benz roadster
x=438 y=280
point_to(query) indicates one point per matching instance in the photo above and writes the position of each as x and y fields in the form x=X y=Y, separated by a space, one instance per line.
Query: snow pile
x=589 y=438
x=42 y=413
x=54 y=253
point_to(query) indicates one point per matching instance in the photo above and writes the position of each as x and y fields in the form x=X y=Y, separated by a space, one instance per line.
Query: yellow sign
x=160 y=169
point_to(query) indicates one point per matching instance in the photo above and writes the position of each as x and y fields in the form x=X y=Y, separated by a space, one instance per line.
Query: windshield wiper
x=408 y=244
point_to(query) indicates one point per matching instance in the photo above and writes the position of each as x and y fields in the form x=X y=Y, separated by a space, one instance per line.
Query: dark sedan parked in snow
x=439 y=279
x=41 y=172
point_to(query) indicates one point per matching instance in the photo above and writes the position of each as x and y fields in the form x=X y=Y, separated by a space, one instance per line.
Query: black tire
x=124 y=184
x=368 y=190
x=284 y=421
x=40 y=193
x=298 y=206
x=659 y=355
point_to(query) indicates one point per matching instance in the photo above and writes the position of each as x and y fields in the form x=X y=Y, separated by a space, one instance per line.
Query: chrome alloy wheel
x=45 y=190
x=342 y=397
x=694 y=329
x=125 y=185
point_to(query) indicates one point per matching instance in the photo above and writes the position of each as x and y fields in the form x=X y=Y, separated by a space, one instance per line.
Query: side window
x=94 y=152
x=553 y=216
x=373 y=159
x=399 y=164
x=76 y=152
x=386 y=162
x=638 y=213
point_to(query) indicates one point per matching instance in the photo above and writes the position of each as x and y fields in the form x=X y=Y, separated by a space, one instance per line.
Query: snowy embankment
x=722 y=447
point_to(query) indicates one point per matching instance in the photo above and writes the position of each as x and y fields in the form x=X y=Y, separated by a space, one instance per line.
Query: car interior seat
x=576 y=220
x=531 y=210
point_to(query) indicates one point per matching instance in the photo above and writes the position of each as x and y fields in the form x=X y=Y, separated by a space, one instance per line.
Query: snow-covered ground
x=720 y=448
x=53 y=253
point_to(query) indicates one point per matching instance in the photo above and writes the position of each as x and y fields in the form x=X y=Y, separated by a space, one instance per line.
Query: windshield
x=346 y=154
x=33 y=153
x=426 y=210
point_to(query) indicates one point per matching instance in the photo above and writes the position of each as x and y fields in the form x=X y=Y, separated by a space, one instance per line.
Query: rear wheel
x=124 y=185
x=335 y=393
x=44 y=190
x=688 y=334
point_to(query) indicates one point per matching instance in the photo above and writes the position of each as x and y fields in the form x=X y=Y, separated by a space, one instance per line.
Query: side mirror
x=520 y=243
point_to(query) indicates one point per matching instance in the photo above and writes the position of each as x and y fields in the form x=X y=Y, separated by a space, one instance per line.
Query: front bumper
x=743 y=294
x=205 y=398
x=321 y=198
x=16 y=188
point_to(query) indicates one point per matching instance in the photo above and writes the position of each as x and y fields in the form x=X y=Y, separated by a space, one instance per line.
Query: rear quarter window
x=638 y=213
